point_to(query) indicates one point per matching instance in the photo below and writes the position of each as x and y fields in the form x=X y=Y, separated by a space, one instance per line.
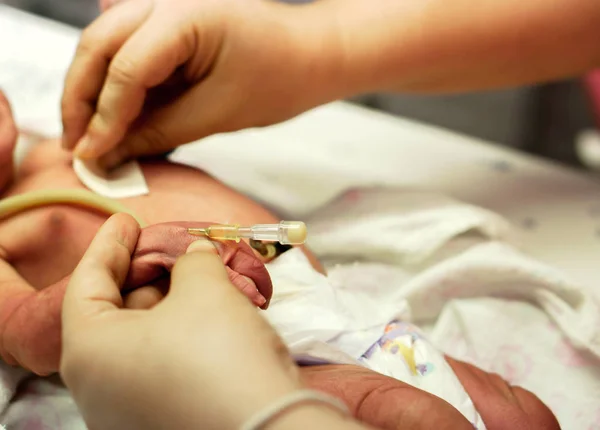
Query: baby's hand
x=30 y=325
x=8 y=140
x=159 y=247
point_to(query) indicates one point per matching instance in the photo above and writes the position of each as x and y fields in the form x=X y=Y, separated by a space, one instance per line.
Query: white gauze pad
x=125 y=181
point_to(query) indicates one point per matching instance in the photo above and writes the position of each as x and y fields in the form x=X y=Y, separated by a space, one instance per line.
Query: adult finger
x=199 y=277
x=144 y=298
x=98 y=45
x=95 y=284
x=172 y=125
x=146 y=60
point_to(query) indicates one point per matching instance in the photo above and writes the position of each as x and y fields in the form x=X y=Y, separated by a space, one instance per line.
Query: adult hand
x=200 y=358
x=150 y=75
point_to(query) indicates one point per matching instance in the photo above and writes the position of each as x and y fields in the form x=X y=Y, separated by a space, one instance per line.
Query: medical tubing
x=13 y=205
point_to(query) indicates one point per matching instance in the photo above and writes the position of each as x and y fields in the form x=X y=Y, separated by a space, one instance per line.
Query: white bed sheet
x=304 y=163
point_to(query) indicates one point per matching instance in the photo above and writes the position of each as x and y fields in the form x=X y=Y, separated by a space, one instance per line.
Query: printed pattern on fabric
x=405 y=353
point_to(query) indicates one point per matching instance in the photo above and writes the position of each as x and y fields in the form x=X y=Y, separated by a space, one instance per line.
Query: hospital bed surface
x=307 y=162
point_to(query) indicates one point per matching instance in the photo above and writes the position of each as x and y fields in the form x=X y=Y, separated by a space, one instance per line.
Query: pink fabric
x=592 y=83
x=30 y=324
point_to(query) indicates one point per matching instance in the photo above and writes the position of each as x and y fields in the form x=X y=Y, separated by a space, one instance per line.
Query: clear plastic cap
x=286 y=232
x=292 y=232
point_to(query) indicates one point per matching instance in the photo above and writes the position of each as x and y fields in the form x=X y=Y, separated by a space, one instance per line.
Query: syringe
x=286 y=232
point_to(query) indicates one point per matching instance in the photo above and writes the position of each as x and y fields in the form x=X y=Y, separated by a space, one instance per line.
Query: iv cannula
x=286 y=232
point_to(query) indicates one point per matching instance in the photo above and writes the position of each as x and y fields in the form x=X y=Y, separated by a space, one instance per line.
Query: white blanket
x=424 y=258
x=454 y=283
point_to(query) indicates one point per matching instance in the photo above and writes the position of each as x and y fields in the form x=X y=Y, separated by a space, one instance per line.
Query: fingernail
x=201 y=245
x=260 y=301
x=85 y=148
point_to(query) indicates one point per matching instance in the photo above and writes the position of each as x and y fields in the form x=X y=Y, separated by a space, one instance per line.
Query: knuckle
x=99 y=125
x=121 y=71
x=104 y=113
x=88 y=42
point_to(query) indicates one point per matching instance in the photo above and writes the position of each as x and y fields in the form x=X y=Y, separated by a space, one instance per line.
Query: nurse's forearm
x=456 y=45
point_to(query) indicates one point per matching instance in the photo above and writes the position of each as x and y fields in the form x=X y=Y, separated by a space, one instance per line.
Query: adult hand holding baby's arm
x=30 y=319
x=201 y=358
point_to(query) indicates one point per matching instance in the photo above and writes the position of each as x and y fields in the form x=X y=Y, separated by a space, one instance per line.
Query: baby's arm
x=29 y=322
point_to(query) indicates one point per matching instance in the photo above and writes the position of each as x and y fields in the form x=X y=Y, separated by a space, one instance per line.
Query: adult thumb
x=202 y=110
x=200 y=278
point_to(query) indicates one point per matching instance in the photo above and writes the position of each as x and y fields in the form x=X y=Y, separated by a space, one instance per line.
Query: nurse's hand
x=150 y=75
x=201 y=358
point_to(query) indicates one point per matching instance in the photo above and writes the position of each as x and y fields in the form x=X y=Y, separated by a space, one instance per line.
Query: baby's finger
x=95 y=284
x=87 y=73
x=248 y=288
x=146 y=60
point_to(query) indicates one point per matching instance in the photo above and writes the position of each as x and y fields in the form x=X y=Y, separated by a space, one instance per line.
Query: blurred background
x=547 y=120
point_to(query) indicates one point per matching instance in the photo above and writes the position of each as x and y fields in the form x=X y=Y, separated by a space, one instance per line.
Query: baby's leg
x=418 y=380
x=8 y=140
x=501 y=405
x=24 y=336
x=391 y=404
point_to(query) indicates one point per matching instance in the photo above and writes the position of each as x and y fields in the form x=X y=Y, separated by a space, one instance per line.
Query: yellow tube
x=77 y=197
